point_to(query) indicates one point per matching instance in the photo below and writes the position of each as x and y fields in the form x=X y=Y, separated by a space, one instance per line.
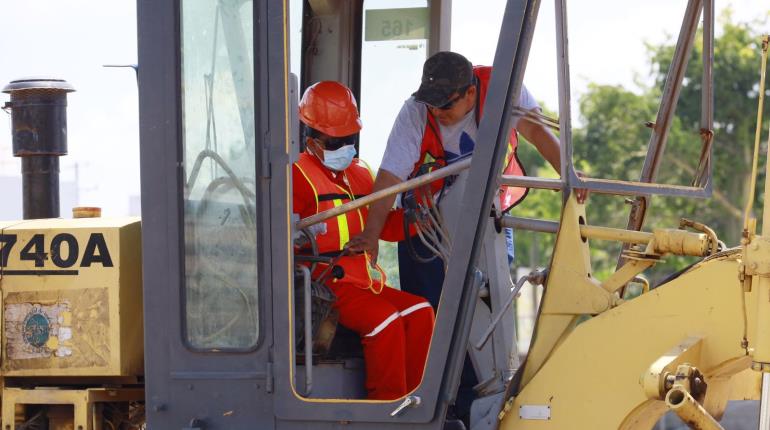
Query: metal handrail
x=419 y=181
x=307 y=286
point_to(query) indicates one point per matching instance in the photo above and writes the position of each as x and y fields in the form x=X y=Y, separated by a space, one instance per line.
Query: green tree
x=736 y=91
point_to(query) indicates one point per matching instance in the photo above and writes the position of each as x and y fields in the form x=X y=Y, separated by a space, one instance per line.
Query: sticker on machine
x=35 y=330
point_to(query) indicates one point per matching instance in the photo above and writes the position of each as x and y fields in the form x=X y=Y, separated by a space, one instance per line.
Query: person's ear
x=314 y=147
x=471 y=91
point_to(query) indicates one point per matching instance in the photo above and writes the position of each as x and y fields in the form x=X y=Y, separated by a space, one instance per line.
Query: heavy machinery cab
x=221 y=315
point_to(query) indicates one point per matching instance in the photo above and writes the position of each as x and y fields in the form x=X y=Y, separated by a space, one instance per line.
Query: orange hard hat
x=330 y=108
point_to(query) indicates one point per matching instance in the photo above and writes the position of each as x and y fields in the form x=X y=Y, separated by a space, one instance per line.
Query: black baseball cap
x=443 y=74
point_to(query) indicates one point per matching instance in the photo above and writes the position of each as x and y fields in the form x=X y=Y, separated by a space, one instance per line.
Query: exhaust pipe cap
x=38 y=83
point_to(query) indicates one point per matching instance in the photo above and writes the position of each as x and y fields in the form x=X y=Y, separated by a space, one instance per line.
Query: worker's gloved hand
x=365 y=243
x=300 y=239
x=317 y=229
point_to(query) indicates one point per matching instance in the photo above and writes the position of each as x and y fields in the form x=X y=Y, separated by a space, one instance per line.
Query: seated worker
x=395 y=327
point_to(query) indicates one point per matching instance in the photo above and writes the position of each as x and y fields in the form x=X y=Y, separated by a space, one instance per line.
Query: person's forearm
x=550 y=149
x=546 y=143
x=548 y=146
x=378 y=211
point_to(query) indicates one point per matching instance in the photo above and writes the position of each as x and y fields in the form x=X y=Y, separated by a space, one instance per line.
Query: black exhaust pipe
x=39 y=126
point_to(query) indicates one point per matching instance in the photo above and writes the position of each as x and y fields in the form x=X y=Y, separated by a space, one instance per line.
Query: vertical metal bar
x=764 y=404
x=505 y=84
x=565 y=108
x=440 y=25
x=307 y=287
x=761 y=355
x=671 y=91
x=757 y=137
x=667 y=108
x=707 y=95
x=240 y=68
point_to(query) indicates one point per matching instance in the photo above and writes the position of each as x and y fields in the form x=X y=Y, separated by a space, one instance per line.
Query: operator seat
x=338 y=366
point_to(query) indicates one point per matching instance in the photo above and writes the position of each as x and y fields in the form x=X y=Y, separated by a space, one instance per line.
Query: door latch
x=409 y=402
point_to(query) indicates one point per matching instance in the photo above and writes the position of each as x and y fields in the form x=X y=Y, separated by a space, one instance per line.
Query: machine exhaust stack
x=39 y=126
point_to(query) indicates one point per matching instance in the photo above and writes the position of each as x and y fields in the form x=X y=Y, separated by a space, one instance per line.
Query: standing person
x=395 y=327
x=439 y=124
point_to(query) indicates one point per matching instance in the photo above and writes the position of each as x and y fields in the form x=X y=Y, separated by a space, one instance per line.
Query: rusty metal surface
x=56 y=329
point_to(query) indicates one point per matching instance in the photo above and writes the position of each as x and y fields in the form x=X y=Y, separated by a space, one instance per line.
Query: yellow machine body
x=71 y=298
x=609 y=371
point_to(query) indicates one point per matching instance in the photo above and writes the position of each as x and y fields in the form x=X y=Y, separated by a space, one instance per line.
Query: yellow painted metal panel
x=571 y=290
x=72 y=298
x=591 y=379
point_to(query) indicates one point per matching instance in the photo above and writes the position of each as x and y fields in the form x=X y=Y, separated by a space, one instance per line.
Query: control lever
x=332 y=269
x=409 y=402
x=534 y=278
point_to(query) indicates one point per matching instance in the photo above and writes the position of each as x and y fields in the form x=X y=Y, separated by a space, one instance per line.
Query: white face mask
x=339 y=159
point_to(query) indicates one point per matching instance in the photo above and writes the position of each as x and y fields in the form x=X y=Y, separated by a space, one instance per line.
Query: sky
x=73 y=40
x=606 y=38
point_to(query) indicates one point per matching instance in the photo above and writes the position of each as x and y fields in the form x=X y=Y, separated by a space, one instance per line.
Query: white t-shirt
x=403 y=148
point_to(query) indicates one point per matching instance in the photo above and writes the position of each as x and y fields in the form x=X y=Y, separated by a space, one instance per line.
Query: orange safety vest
x=340 y=229
x=432 y=149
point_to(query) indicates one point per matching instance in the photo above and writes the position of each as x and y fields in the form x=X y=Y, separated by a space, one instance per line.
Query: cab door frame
x=450 y=338
x=187 y=387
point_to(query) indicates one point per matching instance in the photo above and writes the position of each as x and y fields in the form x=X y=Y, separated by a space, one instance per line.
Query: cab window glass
x=394 y=47
x=220 y=234
x=296 y=9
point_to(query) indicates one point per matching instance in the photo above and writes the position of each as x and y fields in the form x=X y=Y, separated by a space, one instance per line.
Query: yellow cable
x=755 y=161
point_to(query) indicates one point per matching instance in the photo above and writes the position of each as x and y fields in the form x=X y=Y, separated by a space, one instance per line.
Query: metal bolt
x=668 y=381
x=697 y=385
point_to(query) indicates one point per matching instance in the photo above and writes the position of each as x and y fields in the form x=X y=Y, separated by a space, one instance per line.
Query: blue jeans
x=427 y=279
x=509 y=244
